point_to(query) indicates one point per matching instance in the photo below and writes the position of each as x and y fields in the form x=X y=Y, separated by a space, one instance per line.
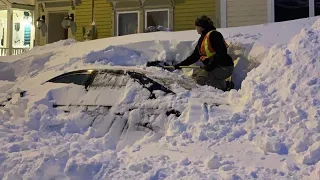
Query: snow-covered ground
x=268 y=128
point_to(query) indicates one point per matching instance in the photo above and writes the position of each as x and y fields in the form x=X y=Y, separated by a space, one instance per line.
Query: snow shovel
x=165 y=65
x=157 y=64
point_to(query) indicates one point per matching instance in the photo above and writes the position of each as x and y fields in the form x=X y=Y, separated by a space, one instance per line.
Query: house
x=17 y=31
x=97 y=19
x=121 y=17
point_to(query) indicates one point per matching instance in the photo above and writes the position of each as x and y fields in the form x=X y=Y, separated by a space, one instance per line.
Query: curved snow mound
x=32 y=62
x=140 y=53
x=58 y=44
x=24 y=68
x=116 y=55
x=281 y=98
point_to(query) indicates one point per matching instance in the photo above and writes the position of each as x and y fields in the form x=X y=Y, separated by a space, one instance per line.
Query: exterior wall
x=102 y=17
x=246 y=12
x=186 y=11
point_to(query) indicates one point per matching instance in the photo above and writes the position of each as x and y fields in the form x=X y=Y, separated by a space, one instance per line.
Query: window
x=317 y=7
x=3 y=29
x=22 y=25
x=111 y=79
x=154 y=18
x=286 y=10
x=127 y=23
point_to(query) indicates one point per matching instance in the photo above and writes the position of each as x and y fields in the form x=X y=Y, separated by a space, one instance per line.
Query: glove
x=207 y=65
x=207 y=68
x=177 y=67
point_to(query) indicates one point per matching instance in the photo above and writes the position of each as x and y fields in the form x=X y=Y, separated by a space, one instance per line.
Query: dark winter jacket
x=221 y=58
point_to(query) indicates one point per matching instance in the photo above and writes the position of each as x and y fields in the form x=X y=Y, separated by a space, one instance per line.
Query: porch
x=14 y=51
x=17 y=27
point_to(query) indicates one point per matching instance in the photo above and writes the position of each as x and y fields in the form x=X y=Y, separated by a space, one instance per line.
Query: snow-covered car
x=97 y=91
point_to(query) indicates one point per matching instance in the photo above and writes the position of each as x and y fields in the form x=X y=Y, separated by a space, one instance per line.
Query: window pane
x=128 y=23
x=291 y=9
x=157 y=18
x=3 y=29
x=22 y=22
x=317 y=7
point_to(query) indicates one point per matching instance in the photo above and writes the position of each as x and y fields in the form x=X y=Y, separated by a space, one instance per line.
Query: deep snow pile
x=269 y=129
x=281 y=100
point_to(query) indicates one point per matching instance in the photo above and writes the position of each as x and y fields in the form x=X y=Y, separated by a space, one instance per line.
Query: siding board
x=187 y=11
x=246 y=12
x=102 y=17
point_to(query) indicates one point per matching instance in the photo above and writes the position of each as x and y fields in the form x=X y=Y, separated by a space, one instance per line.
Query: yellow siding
x=187 y=11
x=218 y=14
x=102 y=15
x=246 y=12
x=82 y=17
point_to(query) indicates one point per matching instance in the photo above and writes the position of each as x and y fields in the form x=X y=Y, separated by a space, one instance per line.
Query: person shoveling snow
x=211 y=50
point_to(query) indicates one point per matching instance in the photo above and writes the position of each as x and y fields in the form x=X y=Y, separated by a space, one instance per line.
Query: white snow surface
x=267 y=128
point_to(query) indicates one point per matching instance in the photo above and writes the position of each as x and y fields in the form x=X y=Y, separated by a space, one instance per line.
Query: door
x=55 y=30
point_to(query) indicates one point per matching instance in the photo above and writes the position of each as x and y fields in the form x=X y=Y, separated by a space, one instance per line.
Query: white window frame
x=126 y=12
x=271 y=13
x=223 y=13
x=155 y=10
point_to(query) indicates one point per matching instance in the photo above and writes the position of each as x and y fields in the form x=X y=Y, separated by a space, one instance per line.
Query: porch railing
x=15 y=51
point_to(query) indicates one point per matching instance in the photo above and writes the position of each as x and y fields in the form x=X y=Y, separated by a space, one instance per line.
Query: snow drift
x=268 y=129
x=282 y=97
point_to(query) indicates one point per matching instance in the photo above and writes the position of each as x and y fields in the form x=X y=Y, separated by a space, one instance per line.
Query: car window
x=76 y=78
x=110 y=79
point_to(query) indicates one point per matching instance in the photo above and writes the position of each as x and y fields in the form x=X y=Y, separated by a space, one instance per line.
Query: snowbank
x=280 y=98
x=269 y=129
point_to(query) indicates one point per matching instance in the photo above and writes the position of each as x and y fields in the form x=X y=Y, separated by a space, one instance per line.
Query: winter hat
x=204 y=22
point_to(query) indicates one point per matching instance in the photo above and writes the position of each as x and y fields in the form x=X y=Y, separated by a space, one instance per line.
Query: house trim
x=125 y=12
x=223 y=13
x=23 y=6
x=311 y=8
x=9 y=28
x=156 y=10
x=270 y=11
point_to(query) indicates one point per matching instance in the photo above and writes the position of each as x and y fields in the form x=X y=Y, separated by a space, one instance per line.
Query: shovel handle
x=183 y=67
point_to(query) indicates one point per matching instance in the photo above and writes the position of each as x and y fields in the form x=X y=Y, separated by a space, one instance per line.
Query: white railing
x=15 y=51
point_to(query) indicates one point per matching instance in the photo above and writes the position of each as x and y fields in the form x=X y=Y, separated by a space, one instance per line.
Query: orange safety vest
x=206 y=49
